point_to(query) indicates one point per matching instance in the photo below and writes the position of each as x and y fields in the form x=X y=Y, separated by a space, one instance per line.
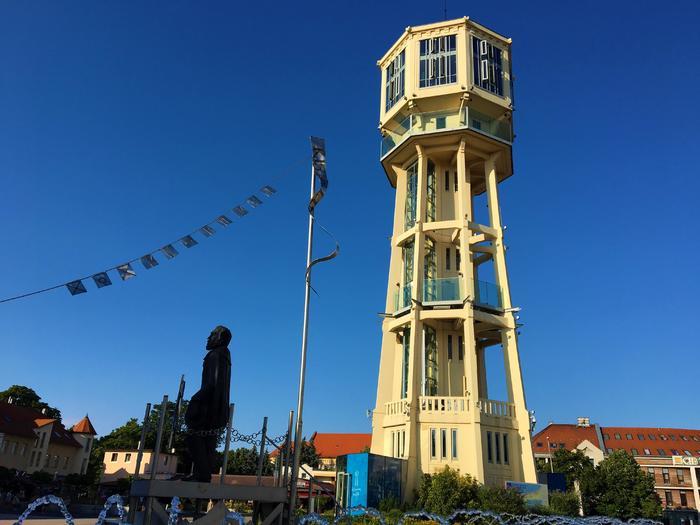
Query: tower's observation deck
x=446 y=126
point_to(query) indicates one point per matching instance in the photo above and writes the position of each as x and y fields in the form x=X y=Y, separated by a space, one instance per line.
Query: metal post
x=261 y=459
x=133 y=502
x=287 y=449
x=176 y=413
x=155 y=456
x=227 y=445
x=302 y=371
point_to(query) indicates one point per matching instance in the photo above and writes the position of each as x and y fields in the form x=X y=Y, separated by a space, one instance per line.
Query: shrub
x=446 y=491
x=563 y=503
x=497 y=499
x=388 y=504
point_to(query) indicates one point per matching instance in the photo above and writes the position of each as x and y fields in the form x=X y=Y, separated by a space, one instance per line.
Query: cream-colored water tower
x=445 y=120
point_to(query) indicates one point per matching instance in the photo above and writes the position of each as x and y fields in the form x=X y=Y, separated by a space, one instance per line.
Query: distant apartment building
x=670 y=455
x=30 y=441
x=119 y=464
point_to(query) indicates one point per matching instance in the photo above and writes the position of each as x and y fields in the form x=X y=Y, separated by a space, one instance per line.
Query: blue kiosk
x=366 y=479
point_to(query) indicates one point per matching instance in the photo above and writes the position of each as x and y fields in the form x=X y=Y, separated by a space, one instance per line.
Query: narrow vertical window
x=498 y=447
x=403 y=443
x=411 y=196
x=433 y=443
x=443 y=443
x=454 y=443
x=506 y=452
x=431 y=362
x=447 y=181
x=393 y=444
x=430 y=193
x=458 y=259
x=447 y=258
x=449 y=346
x=430 y=283
x=404 y=366
x=405 y=292
x=489 y=452
x=460 y=347
x=456 y=183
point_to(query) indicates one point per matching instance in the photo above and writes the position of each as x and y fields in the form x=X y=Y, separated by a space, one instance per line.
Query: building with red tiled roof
x=29 y=441
x=670 y=455
x=331 y=445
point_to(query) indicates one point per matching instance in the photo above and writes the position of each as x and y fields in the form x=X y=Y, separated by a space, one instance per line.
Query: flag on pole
x=318 y=161
x=76 y=287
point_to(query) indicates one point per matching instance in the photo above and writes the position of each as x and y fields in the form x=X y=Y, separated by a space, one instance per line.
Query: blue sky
x=125 y=125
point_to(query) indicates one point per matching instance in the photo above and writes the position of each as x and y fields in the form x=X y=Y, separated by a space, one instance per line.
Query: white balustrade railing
x=443 y=404
x=396 y=408
x=492 y=407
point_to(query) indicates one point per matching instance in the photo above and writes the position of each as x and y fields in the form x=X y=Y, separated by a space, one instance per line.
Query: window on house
x=672 y=437
x=687 y=453
x=55 y=461
x=88 y=442
x=66 y=460
x=31 y=458
x=38 y=459
x=449 y=346
x=650 y=470
x=498 y=447
x=680 y=475
x=539 y=444
x=640 y=437
x=127 y=457
x=562 y=445
x=684 y=499
x=453 y=433
x=489 y=452
x=652 y=437
x=487 y=67
x=438 y=61
x=617 y=436
x=41 y=441
x=443 y=443
x=447 y=181
x=606 y=436
x=635 y=452
x=13 y=448
x=661 y=451
x=165 y=462
x=647 y=452
x=394 y=87
x=433 y=443
x=669 y=498
x=610 y=450
x=506 y=451
x=115 y=456
x=553 y=445
x=666 y=475
x=663 y=437
x=447 y=258
x=684 y=438
x=674 y=452
x=628 y=436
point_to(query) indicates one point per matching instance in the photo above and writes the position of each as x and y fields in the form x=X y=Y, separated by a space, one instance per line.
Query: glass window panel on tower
x=394 y=80
x=487 y=62
x=438 y=61
x=411 y=196
x=406 y=358
x=431 y=362
x=430 y=193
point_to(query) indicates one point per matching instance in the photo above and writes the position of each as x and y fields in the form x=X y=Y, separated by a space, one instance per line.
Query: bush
x=41 y=477
x=392 y=516
x=497 y=499
x=446 y=491
x=563 y=503
x=388 y=504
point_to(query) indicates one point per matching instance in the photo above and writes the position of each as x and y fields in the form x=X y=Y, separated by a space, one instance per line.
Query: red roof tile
x=334 y=445
x=84 y=426
x=562 y=436
x=658 y=441
x=21 y=421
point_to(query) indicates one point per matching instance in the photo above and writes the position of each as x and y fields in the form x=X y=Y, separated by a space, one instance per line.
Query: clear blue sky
x=124 y=125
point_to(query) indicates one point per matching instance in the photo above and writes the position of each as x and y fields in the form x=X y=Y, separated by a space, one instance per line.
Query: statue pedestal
x=156 y=514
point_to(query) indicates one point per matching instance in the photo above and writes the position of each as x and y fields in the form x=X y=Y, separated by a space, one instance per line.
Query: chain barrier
x=236 y=436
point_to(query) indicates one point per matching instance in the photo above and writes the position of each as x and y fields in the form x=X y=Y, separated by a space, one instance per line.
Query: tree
x=309 y=456
x=620 y=488
x=576 y=466
x=26 y=397
x=244 y=461
x=501 y=500
x=446 y=491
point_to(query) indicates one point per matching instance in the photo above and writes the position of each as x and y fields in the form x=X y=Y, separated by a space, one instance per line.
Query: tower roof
x=84 y=426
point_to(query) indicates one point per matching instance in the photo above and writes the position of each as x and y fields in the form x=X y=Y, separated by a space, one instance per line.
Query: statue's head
x=219 y=336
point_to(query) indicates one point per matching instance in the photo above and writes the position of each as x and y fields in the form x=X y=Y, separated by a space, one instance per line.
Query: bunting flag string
x=126 y=271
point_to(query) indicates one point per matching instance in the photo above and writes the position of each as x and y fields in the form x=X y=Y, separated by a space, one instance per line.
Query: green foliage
x=244 y=461
x=446 y=491
x=620 y=488
x=26 y=397
x=309 y=456
x=392 y=516
x=388 y=504
x=498 y=499
x=576 y=466
x=563 y=503
x=40 y=477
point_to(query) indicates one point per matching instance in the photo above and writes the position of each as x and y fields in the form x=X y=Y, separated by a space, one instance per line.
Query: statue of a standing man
x=207 y=412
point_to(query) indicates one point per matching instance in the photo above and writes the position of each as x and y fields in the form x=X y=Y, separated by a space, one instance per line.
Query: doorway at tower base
x=365 y=479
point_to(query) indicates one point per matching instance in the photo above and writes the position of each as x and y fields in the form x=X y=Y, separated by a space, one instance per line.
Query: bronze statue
x=207 y=412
